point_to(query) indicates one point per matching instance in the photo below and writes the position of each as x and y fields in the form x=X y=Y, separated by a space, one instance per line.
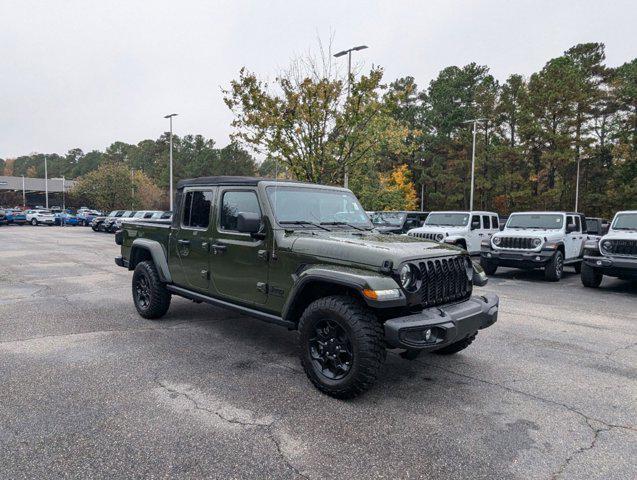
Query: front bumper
x=121 y=261
x=446 y=324
x=613 y=266
x=517 y=259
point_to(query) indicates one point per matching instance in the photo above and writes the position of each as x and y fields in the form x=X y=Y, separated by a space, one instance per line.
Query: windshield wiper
x=304 y=222
x=624 y=228
x=345 y=224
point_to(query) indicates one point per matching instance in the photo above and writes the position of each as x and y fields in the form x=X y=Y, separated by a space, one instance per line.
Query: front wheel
x=590 y=277
x=578 y=267
x=150 y=295
x=341 y=346
x=489 y=267
x=34 y=222
x=555 y=267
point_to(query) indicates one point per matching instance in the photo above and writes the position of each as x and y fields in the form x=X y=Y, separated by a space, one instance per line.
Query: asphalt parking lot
x=92 y=390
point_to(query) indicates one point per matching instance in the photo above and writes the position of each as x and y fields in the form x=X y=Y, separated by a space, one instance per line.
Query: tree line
x=395 y=140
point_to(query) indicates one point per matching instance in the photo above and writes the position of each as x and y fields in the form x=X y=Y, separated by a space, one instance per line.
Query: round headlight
x=607 y=245
x=537 y=242
x=406 y=276
x=439 y=237
x=496 y=240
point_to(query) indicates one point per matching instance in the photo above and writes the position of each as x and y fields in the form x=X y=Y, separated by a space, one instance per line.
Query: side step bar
x=267 y=317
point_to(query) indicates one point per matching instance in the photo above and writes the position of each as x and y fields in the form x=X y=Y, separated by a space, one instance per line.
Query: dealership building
x=31 y=192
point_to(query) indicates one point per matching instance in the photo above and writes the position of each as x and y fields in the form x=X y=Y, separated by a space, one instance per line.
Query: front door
x=238 y=265
x=190 y=242
x=474 y=235
x=571 y=245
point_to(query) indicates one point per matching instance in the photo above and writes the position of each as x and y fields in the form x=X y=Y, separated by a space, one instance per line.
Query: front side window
x=234 y=203
x=197 y=206
x=544 y=221
x=448 y=219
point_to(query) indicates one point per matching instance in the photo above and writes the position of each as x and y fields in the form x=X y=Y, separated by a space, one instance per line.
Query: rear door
x=190 y=241
x=238 y=264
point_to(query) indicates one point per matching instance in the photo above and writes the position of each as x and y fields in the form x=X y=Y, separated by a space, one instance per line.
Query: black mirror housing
x=475 y=225
x=248 y=222
x=570 y=228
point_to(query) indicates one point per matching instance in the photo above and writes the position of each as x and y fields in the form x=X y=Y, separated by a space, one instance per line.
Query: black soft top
x=229 y=180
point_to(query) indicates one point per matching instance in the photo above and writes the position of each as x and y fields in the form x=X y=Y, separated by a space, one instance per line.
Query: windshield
x=448 y=219
x=316 y=205
x=625 y=221
x=545 y=221
x=388 y=218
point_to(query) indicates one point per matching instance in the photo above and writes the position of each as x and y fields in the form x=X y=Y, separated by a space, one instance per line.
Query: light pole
x=63 y=194
x=348 y=52
x=24 y=194
x=46 y=184
x=577 y=185
x=170 y=117
x=475 y=122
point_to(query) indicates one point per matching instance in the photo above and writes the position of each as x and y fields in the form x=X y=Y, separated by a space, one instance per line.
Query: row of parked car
x=44 y=216
x=594 y=247
x=113 y=221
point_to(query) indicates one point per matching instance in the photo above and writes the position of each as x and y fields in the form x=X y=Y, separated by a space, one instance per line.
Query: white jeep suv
x=614 y=254
x=548 y=240
x=463 y=229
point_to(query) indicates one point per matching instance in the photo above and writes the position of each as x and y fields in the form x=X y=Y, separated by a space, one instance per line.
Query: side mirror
x=248 y=222
x=475 y=225
x=570 y=228
x=479 y=278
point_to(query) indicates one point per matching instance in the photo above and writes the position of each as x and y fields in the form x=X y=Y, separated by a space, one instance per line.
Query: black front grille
x=444 y=280
x=516 y=242
x=427 y=236
x=622 y=247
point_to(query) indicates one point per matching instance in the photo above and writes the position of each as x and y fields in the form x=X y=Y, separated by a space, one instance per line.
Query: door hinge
x=262 y=287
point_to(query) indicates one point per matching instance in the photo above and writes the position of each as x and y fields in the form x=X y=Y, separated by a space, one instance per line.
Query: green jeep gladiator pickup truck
x=307 y=257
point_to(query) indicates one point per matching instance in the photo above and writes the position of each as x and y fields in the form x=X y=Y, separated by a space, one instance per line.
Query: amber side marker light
x=382 y=295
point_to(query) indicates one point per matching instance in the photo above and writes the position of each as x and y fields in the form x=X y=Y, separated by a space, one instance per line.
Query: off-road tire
x=367 y=340
x=578 y=267
x=489 y=267
x=158 y=301
x=457 y=346
x=590 y=277
x=555 y=267
x=34 y=222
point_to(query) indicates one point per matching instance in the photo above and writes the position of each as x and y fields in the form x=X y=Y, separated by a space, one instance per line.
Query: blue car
x=16 y=217
x=66 y=218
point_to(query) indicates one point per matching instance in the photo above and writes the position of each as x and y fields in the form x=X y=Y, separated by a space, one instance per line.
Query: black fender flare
x=157 y=253
x=346 y=277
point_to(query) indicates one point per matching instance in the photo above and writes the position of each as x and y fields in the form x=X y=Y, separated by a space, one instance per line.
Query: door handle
x=183 y=242
x=218 y=248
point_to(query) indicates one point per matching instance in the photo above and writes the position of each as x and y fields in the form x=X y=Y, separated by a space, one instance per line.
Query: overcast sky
x=86 y=73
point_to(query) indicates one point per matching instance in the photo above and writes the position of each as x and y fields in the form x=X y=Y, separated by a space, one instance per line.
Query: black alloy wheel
x=331 y=350
x=142 y=291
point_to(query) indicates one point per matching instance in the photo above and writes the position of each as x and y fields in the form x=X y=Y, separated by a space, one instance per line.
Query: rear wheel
x=150 y=295
x=341 y=346
x=590 y=277
x=554 y=269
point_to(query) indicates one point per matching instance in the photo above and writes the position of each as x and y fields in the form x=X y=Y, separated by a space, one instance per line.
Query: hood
x=388 y=229
x=366 y=248
x=440 y=229
x=620 y=235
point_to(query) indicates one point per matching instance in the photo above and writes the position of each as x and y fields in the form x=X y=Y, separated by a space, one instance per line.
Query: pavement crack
x=267 y=427
x=614 y=351
x=549 y=401
x=596 y=433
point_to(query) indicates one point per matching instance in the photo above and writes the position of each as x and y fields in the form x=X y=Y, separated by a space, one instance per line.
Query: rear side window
x=485 y=221
x=234 y=203
x=495 y=224
x=197 y=205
